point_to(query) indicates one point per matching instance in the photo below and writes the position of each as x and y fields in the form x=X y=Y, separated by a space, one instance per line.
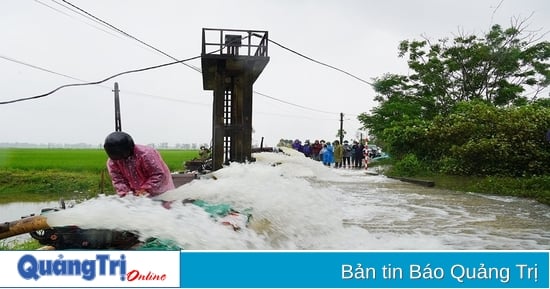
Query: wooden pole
x=25 y=225
x=118 y=123
x=341 y=128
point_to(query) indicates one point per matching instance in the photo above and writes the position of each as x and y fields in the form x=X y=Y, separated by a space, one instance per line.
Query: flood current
x=299 y=204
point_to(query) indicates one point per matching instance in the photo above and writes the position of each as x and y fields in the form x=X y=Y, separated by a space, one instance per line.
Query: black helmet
x=119 y=145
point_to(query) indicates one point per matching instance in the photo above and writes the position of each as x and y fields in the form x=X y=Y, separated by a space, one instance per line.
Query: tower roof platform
x=234 y=51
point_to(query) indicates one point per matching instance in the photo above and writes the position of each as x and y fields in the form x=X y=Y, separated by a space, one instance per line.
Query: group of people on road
x=335 y=154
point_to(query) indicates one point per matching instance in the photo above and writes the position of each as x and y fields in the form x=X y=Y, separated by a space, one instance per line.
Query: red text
x=134 y=275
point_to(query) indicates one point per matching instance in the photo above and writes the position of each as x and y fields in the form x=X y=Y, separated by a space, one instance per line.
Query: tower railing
x=234 y=42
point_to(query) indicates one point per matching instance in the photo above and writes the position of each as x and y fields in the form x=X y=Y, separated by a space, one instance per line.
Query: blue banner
x=275 y=269
x=372 y=269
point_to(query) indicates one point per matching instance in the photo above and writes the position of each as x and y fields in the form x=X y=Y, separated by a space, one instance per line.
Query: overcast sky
x=170 y=105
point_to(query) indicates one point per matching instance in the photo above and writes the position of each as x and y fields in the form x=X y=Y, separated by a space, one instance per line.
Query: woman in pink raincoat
x=136 y=169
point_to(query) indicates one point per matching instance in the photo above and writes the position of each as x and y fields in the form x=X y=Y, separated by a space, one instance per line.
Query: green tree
x=496 y=68
x=398 y=106
x=503 y=68
x=481 y=139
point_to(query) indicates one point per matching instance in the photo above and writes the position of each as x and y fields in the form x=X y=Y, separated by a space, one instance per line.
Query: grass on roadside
x=19 y=245
x=536 y=187
x=46 y=185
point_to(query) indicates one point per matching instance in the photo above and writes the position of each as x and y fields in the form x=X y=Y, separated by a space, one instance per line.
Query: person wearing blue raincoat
x=328 y=155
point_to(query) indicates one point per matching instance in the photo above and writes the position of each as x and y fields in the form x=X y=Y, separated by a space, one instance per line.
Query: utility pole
x=118 y=124
x=341 y=128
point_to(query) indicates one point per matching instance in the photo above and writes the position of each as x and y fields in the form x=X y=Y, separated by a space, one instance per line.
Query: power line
x=199 y=70
x=162 y=97
x=59 y=11
x=104 y=86
x=39 y=68
x=88 y=15
x=319 y=62
x=128 y=35
x=97 y=82
x=301 y=116
x=293 y=104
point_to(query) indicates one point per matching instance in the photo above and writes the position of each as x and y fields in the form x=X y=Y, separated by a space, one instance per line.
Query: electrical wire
x=167 y=98
x=39 y=68
x=88 y=15
x=293 y=104
x=319 y=62
x=98 y=20
x=128 y=35
x=97 y=82
x=104 y=86
x=70 y=16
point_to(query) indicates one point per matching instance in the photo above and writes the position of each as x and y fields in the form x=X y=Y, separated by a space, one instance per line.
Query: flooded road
x=297 y=203
x=454 y=220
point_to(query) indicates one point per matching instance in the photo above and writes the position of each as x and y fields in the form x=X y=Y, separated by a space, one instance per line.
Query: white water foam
x=298 y=203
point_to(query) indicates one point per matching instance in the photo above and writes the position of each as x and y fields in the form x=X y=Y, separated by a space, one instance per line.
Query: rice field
x=50 y=174
x=76 y=160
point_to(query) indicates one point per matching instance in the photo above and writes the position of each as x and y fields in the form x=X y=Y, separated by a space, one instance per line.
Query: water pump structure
x=231 y=62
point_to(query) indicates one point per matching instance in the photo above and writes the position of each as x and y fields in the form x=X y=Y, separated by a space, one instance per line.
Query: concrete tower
x=231 y=62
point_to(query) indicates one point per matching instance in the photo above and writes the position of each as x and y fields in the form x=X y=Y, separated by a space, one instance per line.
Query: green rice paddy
x=50 y=174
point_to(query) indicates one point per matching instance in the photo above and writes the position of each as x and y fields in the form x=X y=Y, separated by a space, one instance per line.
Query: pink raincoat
x=144 y=170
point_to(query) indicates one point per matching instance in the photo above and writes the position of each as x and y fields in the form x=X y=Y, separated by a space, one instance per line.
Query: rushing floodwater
x=299 y=204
